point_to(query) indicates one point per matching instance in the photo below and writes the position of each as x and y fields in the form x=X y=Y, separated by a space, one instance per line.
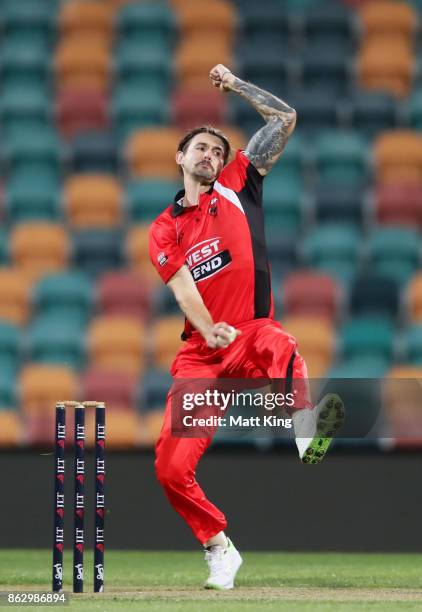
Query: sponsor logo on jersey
x=205 y=259
x=162 y=259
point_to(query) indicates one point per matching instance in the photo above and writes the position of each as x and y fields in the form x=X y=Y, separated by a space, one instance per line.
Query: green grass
x=171 y=581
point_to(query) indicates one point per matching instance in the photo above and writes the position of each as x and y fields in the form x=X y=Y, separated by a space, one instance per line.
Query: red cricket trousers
x=263 y=350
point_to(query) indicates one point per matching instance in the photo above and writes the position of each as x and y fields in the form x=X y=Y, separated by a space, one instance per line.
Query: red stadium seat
x=192 y=107
x=124 y=293
x=117 y=389
x=399 y=204
x=310 y=293
x=81 y=110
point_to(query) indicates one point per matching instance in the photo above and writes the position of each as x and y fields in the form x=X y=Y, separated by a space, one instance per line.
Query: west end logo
x=205 y=259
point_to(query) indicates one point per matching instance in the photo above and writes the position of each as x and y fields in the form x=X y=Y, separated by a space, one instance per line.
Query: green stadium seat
x=294 y=159
x=150 y=23
x=412 y=345
x=326 y=68
x=146 y=199
x=283 y=202
x=144 y=68
x=331 y=24
x=342 y=158
x=94 y=152
x=56 y=340
x=299 y=7
x=37 y=151
x=371 y=112
x=153 y=389
x=271 y=69
x=10 y=348
x=24 y=66
x=163 y=302
x=8 y=389
x=265 y=22
x=244 y=116
x=333 y=249
x=317 y=109
x=414 y=110
x=282 y=252
x=23 y=109
x=372 y=294
x=97 y=251
x=4 y=246
x=70 y=295
x=135 y=107
x=367 y=338
x=360 y=367
x=28 y=19
x=394 y=252
x=334 y=204
x=32 y=197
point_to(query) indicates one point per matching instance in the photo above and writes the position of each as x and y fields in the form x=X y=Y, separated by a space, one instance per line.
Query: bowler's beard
x=204 y=176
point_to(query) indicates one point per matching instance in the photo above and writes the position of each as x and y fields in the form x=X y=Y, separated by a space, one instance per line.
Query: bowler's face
x=204 y=158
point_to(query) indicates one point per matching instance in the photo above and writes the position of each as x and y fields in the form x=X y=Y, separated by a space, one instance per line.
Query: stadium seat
x=37 y=151
x=14 y=296
x=152 y=423
x=4 y=246
x=24 y=108
x=93 y=201
x=316 y=342
x=166 y=340
x=367 y=338
x=117 y=343
x=341 y=158
x=371 y=294
x=10 y=351
x=194 y=59
x=80 y=110
x=86 y=20
x=402 y=401
x=283 y=202
x=325 y=293
x=398 y=157
x=294 y=160
x=144 y=68
x=82 y=64
x=414 y=110
x=11 y=434
x=317 y=109
x=371 y=112
x=39 y=248
x=272 y=69
x=190 y=107
x=245 y=116
x=326 y=68
x=28 y=20
x=36 y=198
x=387 y=65
x=116 y=389
x=412 y=345
x=146 y=199
x=150 y=23
x=333 y=249
x=151 y=153
x=56 y=340
x=136 y=107
x=93 y=152
x=42 y=386
x=383 y=19
x=414 y=298
x=399 y=204
x=358 y=368
x=97 y=251
x=282 y=250
x=264 y=23
x=24 y=66
x=163 y=301
x=394 y=252
x=331 y=24
x=334 y=204
x=200 y=19
x=69 y=295
x=124 y=293
x=153 y=389
x=137 y=251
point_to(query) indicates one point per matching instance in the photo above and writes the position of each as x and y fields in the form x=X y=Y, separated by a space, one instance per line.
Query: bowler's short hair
x=205 y=129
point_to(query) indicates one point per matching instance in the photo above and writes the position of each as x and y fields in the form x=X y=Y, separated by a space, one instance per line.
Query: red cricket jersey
x=222 y=242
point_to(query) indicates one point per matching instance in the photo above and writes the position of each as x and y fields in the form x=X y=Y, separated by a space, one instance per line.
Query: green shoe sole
x=330 y=419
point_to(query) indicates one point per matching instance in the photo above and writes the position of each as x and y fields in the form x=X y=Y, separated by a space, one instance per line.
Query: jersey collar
x=179 y=209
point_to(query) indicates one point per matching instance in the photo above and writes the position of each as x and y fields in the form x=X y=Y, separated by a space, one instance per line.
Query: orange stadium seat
x=166 y=340
x=398 y=157
x=137 y=252
x=414 y=298
x=152 y=423
x=81 y=110
x=10 y=429
x=194 y=59
x=402 y=404
x=82 y=64
x=123 y=429
x=316 y=342
x=39 y=248
x=93 y=200
x=324 y=292
x=117 y=343
x=42 y=386
x=191 y=107
x=386 y=66
x=385 y=19
x=14 y=296
x=151 y=153
x=88 y=19
x=124 y=293
x=399 y=204
x=208 y=18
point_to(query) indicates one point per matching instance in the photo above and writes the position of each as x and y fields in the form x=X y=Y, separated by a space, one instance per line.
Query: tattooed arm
x=266 y=146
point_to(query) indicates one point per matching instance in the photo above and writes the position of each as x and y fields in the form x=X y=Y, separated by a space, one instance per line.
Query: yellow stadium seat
x=316 y=342
x=151 y=153
x=166 y=340
x=414 y=298
x=117 y=343
x=82 y=64
x=386 y=65
x=88 y=19
x=14 y=296
x=398 y=157
x=93 y=200
x=42 y=386
x=194 y=59
x=10 y=429
x=385 y=18
x=137 y=252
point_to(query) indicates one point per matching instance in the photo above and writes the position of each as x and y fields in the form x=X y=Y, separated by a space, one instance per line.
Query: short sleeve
x=166 y=255
x=240 y=172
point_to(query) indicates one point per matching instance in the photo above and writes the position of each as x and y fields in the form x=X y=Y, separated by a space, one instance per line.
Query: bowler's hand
x=222 y=77
x=221 y=335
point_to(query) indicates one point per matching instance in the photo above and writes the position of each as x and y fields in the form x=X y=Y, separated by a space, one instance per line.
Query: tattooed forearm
x=266 y=146
x=264 y=102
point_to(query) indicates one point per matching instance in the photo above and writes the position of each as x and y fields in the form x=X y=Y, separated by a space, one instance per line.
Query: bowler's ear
x=179 y=158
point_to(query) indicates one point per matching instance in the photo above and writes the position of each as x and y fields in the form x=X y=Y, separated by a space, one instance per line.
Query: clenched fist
x=222 y=77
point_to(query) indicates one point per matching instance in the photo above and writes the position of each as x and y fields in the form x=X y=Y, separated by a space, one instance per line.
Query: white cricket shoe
x=224 y=564
x=315 y=429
